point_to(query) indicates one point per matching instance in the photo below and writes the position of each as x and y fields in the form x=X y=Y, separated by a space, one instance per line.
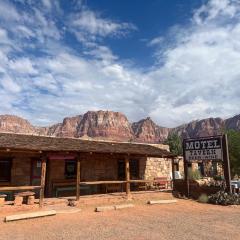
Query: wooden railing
x=19 y=188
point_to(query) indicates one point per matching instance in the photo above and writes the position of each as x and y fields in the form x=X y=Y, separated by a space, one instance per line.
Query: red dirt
x=184 y=220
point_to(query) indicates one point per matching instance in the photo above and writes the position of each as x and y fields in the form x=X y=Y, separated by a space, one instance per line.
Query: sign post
x=226 y=164
x=203 y=149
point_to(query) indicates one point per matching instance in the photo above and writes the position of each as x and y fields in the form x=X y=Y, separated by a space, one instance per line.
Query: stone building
x=53 y=165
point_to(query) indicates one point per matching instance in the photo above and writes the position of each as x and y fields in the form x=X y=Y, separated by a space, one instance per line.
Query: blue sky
x=174 y=61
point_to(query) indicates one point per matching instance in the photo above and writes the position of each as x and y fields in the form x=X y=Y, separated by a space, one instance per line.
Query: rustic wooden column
x=173 y=173
x=43 y=178
x=127 y=176
x=78 y=178
x=226 y=163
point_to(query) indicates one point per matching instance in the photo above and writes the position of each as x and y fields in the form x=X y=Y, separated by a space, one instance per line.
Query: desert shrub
x=203 y=198
x=218 y=178
x=194 y=174
x=223 y=198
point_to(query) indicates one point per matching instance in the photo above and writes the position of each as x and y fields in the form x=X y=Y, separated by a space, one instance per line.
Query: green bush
x=203 y=198
x=223 y=198
x=194 y=174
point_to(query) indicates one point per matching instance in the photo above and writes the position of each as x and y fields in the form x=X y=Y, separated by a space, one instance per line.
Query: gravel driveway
x=183 y=220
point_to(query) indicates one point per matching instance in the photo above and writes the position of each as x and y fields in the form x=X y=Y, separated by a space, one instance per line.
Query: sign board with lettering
x=203 y=149
x=209 y=148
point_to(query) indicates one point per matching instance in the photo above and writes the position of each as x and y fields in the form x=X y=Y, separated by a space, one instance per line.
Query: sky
x=175 y=61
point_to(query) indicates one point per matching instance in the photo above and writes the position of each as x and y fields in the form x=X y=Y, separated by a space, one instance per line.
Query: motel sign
x=203 y=149
x=213 y=148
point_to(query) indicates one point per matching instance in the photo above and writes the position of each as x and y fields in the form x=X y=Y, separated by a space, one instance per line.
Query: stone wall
x=158 y=167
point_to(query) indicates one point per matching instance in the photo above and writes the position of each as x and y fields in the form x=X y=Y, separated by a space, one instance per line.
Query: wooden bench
x=18 y=201
x=162 y=182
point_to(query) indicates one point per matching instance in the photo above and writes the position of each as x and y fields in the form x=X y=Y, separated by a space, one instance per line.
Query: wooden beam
x=101 y=182
x=127 y=175
x=43 y=178
x=18 y=188
x=78 y=178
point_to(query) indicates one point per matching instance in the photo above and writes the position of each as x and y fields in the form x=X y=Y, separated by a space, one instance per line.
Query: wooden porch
x=50 y=149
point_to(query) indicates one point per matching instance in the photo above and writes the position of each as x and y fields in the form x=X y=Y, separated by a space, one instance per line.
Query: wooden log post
x=127 y=175
x=226 y=163
x=78 y=178
x=43 y=178
x=173 y=173
x=186 y=177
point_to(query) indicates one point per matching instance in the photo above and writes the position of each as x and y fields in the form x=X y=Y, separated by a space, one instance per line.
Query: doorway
x=36 y=169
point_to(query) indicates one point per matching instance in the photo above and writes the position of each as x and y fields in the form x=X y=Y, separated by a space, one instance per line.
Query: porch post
x=173 y=173
x=43 y=177
x=127 y=175
x=78 y=178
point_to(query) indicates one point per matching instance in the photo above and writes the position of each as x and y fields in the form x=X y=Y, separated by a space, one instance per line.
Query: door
x=36 y=172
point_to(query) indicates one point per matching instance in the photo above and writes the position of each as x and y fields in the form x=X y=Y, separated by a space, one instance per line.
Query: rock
x=109 y=125
x=200 y=128
x=15 y=124
x=147 y=131
x=68 y=128
x=72 y=203
x=233 y=123
x=105 y=125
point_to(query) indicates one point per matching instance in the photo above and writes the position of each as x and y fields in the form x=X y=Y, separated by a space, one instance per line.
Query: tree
x=175 y=143
x=234 y=151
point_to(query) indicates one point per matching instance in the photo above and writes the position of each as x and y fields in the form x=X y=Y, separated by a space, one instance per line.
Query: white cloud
x=9 y=84
x=8 y=12
x=201 y=69
x=198 y=76
x=22 y=66
x=4 y=36
x=156 y=41
x=88 y=26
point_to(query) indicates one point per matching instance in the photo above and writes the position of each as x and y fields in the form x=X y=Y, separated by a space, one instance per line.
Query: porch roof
x=22 y=142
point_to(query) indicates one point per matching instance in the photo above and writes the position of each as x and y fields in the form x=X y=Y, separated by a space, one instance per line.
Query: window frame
x=9 y=174
x=121 y=169
x=67 y=174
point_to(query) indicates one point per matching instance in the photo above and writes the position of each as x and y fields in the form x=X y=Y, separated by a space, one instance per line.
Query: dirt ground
x=185 y=219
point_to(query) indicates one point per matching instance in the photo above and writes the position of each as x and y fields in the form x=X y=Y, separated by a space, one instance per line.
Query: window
x=121 y=170
x=134 y=169
x=176 y=167
x=5 y=170
x=70 y=168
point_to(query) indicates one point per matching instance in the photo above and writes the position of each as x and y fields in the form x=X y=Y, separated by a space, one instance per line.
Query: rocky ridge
x=109 y=125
